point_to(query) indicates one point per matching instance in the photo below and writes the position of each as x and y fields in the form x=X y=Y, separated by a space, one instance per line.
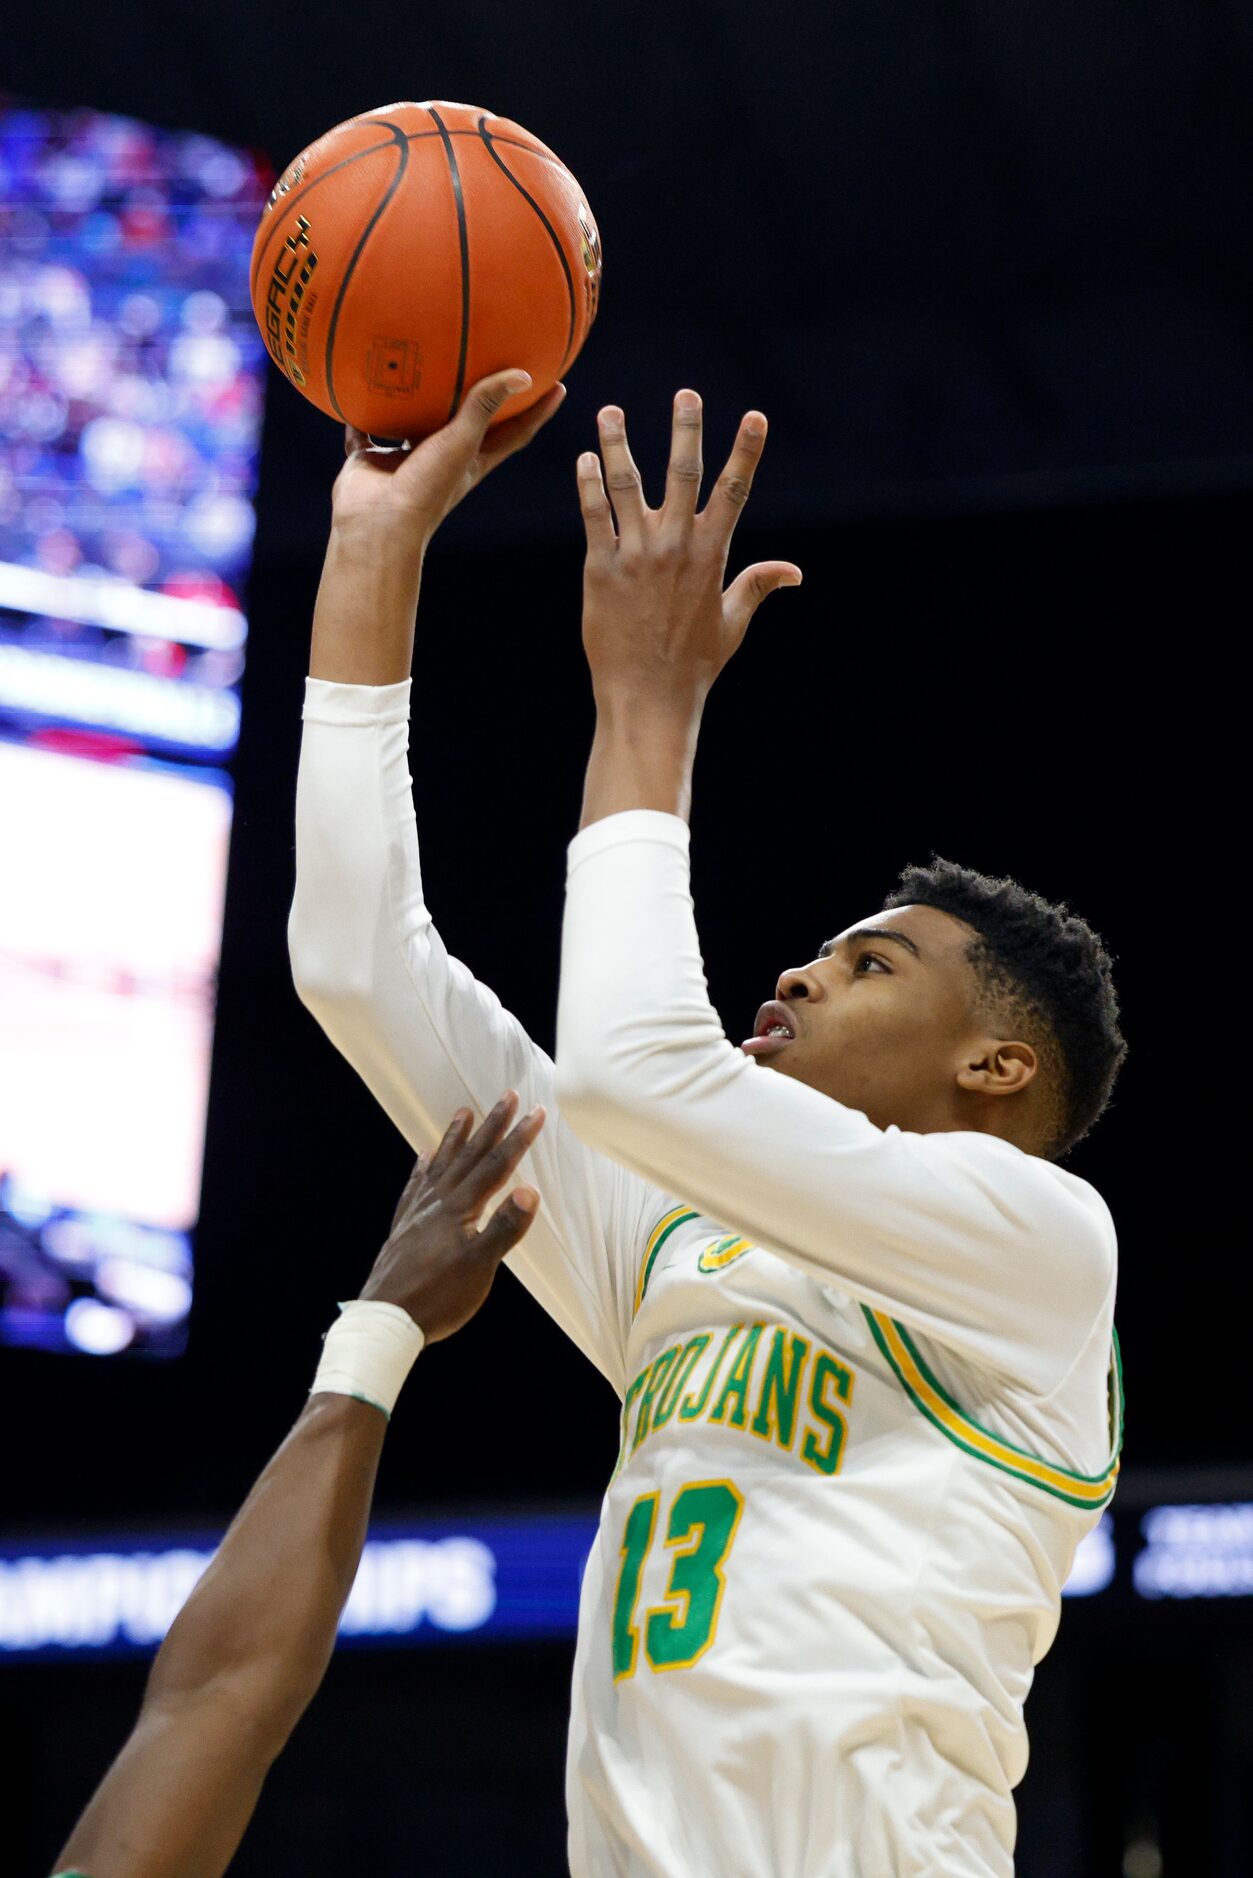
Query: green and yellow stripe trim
x=677 y=1216
x=926 y=1394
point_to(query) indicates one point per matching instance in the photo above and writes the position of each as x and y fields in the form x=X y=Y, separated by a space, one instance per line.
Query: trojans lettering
x=758 y=1379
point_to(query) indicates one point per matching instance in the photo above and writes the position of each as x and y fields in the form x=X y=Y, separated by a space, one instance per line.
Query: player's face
x=883 y=1019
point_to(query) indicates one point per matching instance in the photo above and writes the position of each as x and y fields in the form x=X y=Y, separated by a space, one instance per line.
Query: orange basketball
x=415 y=249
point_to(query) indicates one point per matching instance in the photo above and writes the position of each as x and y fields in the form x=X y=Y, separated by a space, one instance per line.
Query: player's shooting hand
x=657 y=625
x=436 y=1263
x=413 y=487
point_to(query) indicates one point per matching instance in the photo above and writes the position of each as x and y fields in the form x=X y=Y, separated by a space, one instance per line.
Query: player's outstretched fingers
x=747 y=591
x=486 y=1135
x=685 y=469
x=507 y=1224
x=594 y=504
x=734 y=486
x=453 y=1139
x=491 y=1169
x=622 y=478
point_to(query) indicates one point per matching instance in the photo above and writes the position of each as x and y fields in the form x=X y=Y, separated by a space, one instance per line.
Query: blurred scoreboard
x=131 y=391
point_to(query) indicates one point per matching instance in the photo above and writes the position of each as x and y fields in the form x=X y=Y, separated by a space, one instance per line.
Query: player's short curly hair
x=1046 y=971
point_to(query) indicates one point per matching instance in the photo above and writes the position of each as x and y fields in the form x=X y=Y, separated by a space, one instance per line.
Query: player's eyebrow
x=869 y=932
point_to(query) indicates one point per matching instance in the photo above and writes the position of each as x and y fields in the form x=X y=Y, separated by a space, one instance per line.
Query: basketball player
x=859 y=1316
x=247 y=1652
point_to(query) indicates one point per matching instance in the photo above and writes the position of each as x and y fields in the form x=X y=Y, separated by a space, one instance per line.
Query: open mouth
x=774 y=1030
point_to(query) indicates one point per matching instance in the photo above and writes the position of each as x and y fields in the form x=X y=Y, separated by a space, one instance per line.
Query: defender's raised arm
x=248 y=1650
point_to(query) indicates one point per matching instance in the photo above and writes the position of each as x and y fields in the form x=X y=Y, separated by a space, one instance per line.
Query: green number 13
x=701 y=1528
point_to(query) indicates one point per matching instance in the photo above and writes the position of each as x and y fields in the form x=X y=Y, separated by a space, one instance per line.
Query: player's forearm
x=243 y=1658
x=642 y=755
x=363 y=621
x=358 y=902
x=271 y=1600
x=178 y=1798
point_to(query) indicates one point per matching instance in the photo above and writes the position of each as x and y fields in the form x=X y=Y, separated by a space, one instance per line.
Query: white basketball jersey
x=818 y=1591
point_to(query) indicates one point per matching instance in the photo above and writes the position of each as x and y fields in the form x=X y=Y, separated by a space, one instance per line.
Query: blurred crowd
x=130 y=364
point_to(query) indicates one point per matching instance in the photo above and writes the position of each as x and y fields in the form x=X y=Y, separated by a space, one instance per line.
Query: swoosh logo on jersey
x=720 y=1253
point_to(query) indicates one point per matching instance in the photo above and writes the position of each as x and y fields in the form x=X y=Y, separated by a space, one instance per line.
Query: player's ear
x=998 y=1068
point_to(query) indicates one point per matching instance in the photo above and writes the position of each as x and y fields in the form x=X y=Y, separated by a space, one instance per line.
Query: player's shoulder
x=1036 y=1197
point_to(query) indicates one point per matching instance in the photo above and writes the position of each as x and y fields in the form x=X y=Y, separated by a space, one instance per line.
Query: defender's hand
x=436 y=1264
x=657 y=626
x=413 y=487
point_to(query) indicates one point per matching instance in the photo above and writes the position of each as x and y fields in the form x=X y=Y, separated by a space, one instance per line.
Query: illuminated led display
x=131 y=384
x=422 y=1582
x=1195 y=1552
x=419 y=1582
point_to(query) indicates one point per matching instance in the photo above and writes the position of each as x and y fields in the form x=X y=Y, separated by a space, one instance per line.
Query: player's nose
x=803 y=983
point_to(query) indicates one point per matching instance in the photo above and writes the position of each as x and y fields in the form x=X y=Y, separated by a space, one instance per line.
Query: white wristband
x=367 y=1352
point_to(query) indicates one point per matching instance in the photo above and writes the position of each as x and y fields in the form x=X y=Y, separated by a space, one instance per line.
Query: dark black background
x=987 y=270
